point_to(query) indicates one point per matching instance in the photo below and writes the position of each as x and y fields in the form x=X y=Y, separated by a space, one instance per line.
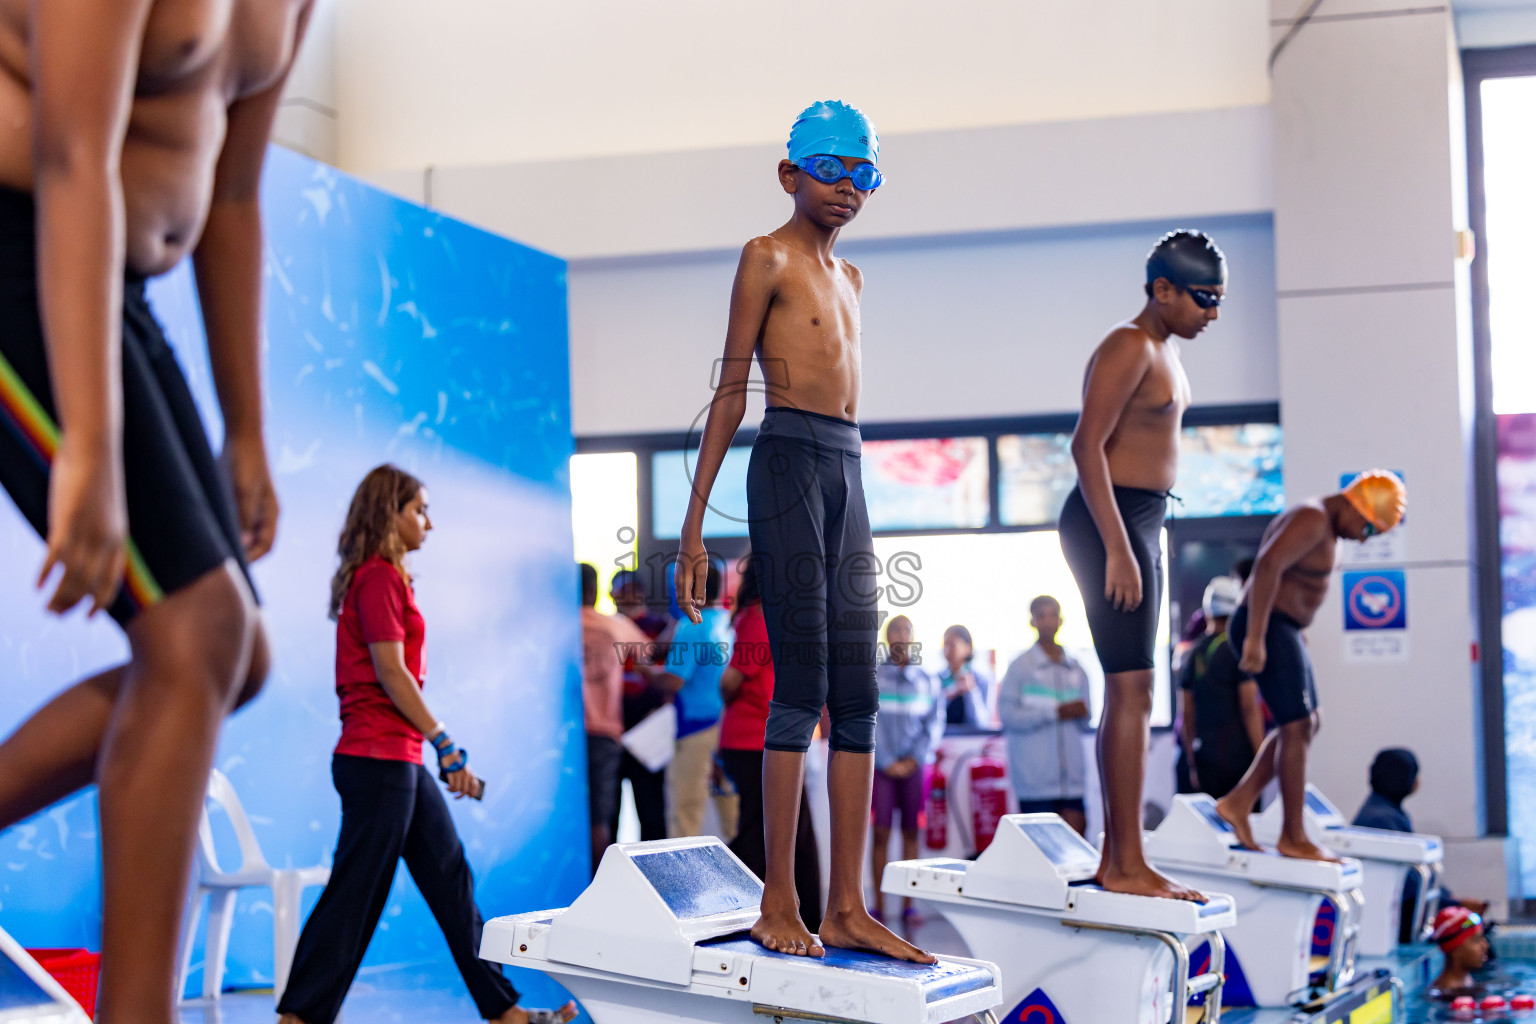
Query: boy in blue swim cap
x=795 y=307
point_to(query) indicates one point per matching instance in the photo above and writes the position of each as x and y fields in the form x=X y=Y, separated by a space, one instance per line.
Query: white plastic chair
x=221 y=888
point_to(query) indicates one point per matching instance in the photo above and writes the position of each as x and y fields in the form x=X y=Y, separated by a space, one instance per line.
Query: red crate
x=78 y=970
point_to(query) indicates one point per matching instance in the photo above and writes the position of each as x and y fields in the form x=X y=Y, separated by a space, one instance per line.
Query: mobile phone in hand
x=478 y=794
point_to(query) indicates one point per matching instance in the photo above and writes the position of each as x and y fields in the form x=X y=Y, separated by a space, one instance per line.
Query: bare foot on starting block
x=782 y=931
x=855 y=929
x=1306 y=849
x=1234 y=814
x=1145 y=882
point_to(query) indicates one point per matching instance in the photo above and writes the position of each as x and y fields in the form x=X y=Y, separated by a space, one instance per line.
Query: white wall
x=1374 y=372
x=977 y=326
x=306 y=121
x=424 y=82
x=973 y=180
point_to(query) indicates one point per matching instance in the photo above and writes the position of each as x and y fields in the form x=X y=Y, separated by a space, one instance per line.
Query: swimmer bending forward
x=796 y=307
x=1126 y=447
x=1286 y=588
x=135 y=133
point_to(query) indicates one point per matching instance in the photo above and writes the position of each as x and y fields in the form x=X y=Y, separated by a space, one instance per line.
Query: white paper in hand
x=653 y=740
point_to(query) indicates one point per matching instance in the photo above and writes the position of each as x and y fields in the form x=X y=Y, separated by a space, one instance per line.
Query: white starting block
x=1068 y=950
x=660 y=936
x=1388 y=858
x=1277 y=902
x=28 y=993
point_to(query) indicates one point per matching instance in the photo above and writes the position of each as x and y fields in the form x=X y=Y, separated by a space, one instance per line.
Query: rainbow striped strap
x=41 y=433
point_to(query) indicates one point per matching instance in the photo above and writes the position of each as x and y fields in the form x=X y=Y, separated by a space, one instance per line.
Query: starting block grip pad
x=937 y=982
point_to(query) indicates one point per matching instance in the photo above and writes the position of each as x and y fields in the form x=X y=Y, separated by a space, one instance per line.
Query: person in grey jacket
x=1043 y=706
x=910 y=725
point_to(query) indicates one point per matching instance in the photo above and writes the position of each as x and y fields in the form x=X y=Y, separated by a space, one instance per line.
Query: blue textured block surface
x=1061 y=845
x=938 y=982
x=699 y=881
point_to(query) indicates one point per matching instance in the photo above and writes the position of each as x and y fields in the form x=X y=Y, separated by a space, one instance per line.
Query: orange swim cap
x=1379 y=496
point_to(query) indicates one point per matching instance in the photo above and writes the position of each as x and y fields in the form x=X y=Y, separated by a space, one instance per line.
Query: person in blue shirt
x=909 y=727
x=967 y=686
x=700 y=652
x=1394 y=778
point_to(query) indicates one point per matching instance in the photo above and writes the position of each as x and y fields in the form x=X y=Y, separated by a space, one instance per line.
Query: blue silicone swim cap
x=836 y=129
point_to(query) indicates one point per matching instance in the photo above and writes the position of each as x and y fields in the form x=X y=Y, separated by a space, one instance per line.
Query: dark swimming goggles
x=829 y=170
x=1205 y=298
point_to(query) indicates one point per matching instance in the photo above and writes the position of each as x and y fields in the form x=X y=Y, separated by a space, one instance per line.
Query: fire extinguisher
x=989 y=796
x=936 y=836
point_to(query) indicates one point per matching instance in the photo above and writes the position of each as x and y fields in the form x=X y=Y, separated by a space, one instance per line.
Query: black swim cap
x=1393 y=773
x=1187 y=259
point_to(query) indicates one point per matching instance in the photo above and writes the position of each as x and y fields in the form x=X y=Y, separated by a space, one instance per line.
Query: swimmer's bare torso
x=1304 y=583
x=808 y=348
x=1143 y=448
x=196 y=58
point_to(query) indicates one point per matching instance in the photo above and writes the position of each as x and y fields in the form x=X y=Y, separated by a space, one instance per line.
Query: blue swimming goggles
x=1205 y=298
x=829 y=170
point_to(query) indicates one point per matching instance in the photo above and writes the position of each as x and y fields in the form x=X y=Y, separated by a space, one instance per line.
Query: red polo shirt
x=380 y=607
x=745 y=721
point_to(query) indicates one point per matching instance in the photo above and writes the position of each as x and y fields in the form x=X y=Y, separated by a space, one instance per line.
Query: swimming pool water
x=1507 y=976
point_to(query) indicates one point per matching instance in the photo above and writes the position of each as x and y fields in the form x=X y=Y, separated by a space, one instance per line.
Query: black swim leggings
x=816 y=565
x=1124 y=641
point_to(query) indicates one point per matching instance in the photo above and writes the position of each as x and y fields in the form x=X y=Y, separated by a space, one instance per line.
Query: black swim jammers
x=1286 y=684
x=815 y=562
x=1124 y=641
x=181 y=512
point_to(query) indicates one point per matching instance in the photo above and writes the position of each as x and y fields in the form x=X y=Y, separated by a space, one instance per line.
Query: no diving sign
x=1376 y=615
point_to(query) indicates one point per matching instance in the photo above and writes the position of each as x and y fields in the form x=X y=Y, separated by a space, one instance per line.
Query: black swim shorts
x=1124 y=641
x=181 y=511
x=1286 y=684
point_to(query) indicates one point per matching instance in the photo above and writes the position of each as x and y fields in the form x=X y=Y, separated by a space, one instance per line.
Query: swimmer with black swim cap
x=1127 y=452
x=1192 y=263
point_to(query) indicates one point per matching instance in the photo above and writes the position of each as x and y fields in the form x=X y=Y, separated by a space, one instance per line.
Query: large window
x=1230 y=470
x=978 y=546
x=933 y=483
x=604 y=514
x=1224 y=470
x=672 y=488
x=1501 y=107
x=985 y=582
x=1509 y=169
x=1035 y=475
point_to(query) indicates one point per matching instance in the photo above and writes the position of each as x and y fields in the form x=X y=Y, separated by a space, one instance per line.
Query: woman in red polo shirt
x=391 y=806
x=746 y=688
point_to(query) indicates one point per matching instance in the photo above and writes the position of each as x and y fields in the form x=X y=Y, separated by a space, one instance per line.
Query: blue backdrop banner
x=393 y=334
